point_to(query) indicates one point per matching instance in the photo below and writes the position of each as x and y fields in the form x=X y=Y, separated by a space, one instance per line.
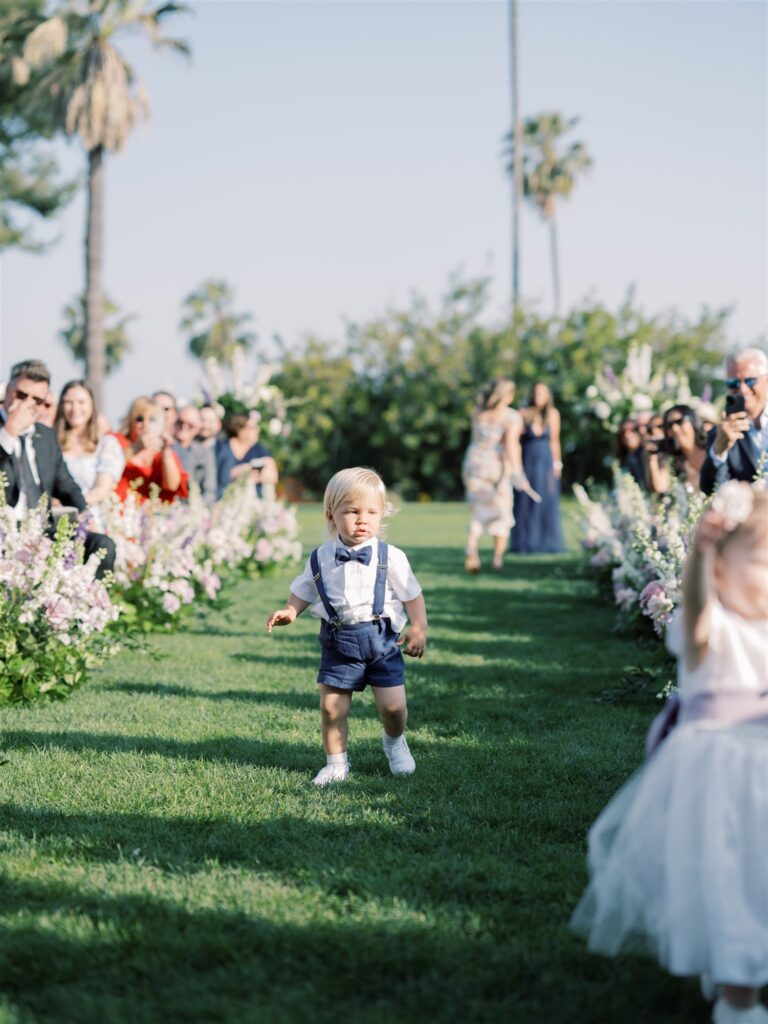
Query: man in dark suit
x=740 y=440
x=30 y=456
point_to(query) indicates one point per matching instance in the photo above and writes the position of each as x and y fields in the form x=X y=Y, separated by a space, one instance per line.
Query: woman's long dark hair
x=687 y=413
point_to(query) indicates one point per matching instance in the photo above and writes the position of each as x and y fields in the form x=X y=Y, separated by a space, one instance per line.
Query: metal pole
x=517 y=158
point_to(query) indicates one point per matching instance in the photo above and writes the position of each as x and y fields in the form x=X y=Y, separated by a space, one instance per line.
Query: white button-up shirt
x=12 y=445
x=350 y=586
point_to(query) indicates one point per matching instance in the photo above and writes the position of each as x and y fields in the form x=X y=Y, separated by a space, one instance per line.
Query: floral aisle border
x=57 y=620
x=637 y=545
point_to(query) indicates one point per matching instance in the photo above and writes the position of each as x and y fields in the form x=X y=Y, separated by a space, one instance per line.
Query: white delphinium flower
x=734 y=500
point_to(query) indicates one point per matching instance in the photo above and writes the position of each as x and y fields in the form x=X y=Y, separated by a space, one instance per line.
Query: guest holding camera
x=740 y=440
x=684 y=443
x=241 y=454
x=629 y=451
x=150 y=460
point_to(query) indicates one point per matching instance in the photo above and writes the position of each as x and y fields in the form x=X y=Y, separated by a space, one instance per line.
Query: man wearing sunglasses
x=30 y=456
x=198 y=461
x=740 y=440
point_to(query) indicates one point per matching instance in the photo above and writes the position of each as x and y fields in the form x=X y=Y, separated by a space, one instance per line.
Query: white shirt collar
x=371 y=542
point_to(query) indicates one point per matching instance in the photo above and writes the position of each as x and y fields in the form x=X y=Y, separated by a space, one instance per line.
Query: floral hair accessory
x=734 y=501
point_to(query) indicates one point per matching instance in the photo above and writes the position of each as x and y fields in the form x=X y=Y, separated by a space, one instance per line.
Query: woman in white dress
x=679 y=857
x=492 y=465
x=95 y=462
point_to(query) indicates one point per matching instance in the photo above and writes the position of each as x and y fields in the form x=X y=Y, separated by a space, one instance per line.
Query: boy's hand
x=414 y=641
x=282 y=617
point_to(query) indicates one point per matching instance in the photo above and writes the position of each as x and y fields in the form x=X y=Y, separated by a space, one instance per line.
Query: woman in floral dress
x=492 y=465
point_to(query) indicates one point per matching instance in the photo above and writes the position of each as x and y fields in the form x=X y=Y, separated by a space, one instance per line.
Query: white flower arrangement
x=54 y=612
x=636 y=388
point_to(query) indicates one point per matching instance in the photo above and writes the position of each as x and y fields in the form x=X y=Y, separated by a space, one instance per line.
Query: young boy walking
x=363 y=590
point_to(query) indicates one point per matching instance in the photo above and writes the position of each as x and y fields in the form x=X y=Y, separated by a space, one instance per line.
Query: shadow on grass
x=142 y=959
x=231 y=749
x=450 y=562
x=291 y=700
x=126 y=957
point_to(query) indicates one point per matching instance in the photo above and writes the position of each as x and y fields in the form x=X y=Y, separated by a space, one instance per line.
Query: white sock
x=341 y=758
x=392 y=741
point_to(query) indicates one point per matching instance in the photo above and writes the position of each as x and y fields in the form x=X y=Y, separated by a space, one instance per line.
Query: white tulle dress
x=679 y=857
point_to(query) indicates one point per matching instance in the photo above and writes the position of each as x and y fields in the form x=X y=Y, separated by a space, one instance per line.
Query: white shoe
x=331 y=773
x=400 y=758
x=724 y=1013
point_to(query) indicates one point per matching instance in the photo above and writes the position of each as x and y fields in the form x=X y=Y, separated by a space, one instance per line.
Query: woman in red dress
x=149 y=456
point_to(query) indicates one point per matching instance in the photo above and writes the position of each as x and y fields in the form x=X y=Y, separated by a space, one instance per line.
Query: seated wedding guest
x=46 y=413
x=740 y=440
x=629 y=451
x=30 y=456
x=655 y=429
x=240 y=454
x=96 y=463
x=150 y=460
x=199 y=461
x=166 y=402
x=684 y=443
x=210 y=426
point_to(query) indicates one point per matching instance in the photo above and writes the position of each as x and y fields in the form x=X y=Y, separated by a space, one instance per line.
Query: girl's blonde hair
x=754 y=527
x=349 y=483
x=495 y=392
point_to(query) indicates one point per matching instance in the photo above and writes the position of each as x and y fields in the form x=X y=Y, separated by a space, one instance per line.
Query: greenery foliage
x=117 y=344
x=216 y=331
x=399 y=392
x=30 y=188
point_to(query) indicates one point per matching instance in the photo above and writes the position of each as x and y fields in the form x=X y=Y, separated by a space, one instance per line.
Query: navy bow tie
x=360 y=555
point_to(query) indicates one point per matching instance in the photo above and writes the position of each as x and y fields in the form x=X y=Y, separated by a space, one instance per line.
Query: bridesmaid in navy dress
x=537 y=525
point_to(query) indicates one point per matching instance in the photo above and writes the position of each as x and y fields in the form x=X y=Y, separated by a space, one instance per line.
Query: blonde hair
x=494 y=393
x=753 y=529
x=348 y=483
x=141 y=406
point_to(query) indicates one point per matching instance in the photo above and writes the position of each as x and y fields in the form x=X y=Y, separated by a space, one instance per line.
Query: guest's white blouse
x=107 y=458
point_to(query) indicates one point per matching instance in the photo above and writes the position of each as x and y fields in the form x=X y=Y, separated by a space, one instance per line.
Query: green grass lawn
x=165 y=858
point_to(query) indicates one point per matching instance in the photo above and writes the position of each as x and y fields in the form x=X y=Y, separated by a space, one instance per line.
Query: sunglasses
x=732 y=383
x=23 y=396
x=186 y=423
x=674 y=423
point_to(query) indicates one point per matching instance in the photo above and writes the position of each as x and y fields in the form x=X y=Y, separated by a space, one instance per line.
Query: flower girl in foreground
x=679 y=857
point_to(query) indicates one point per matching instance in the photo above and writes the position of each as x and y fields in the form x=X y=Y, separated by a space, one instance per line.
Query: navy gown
x=537 y=526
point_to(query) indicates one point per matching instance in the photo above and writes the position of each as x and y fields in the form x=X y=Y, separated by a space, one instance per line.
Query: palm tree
x=216 y=330
x=95 y=96
x=549 y=175
x=29 y=178
x=116 y=341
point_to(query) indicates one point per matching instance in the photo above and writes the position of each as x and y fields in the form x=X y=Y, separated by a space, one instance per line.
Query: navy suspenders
x=379 y=589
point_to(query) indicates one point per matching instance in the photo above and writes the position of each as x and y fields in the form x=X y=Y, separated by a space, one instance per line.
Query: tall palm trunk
x=95 y=359
x=517 y=155
x=555 y=265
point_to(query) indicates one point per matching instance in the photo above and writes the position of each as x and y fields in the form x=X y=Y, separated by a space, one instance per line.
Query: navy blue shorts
x=360 y=655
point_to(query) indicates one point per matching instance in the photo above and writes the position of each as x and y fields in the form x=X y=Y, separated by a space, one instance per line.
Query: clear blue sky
x=329 y=158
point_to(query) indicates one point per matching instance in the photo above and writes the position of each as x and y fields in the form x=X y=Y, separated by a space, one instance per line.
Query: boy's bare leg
x=499 y=547
x=334 y=712
x=392 y=708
